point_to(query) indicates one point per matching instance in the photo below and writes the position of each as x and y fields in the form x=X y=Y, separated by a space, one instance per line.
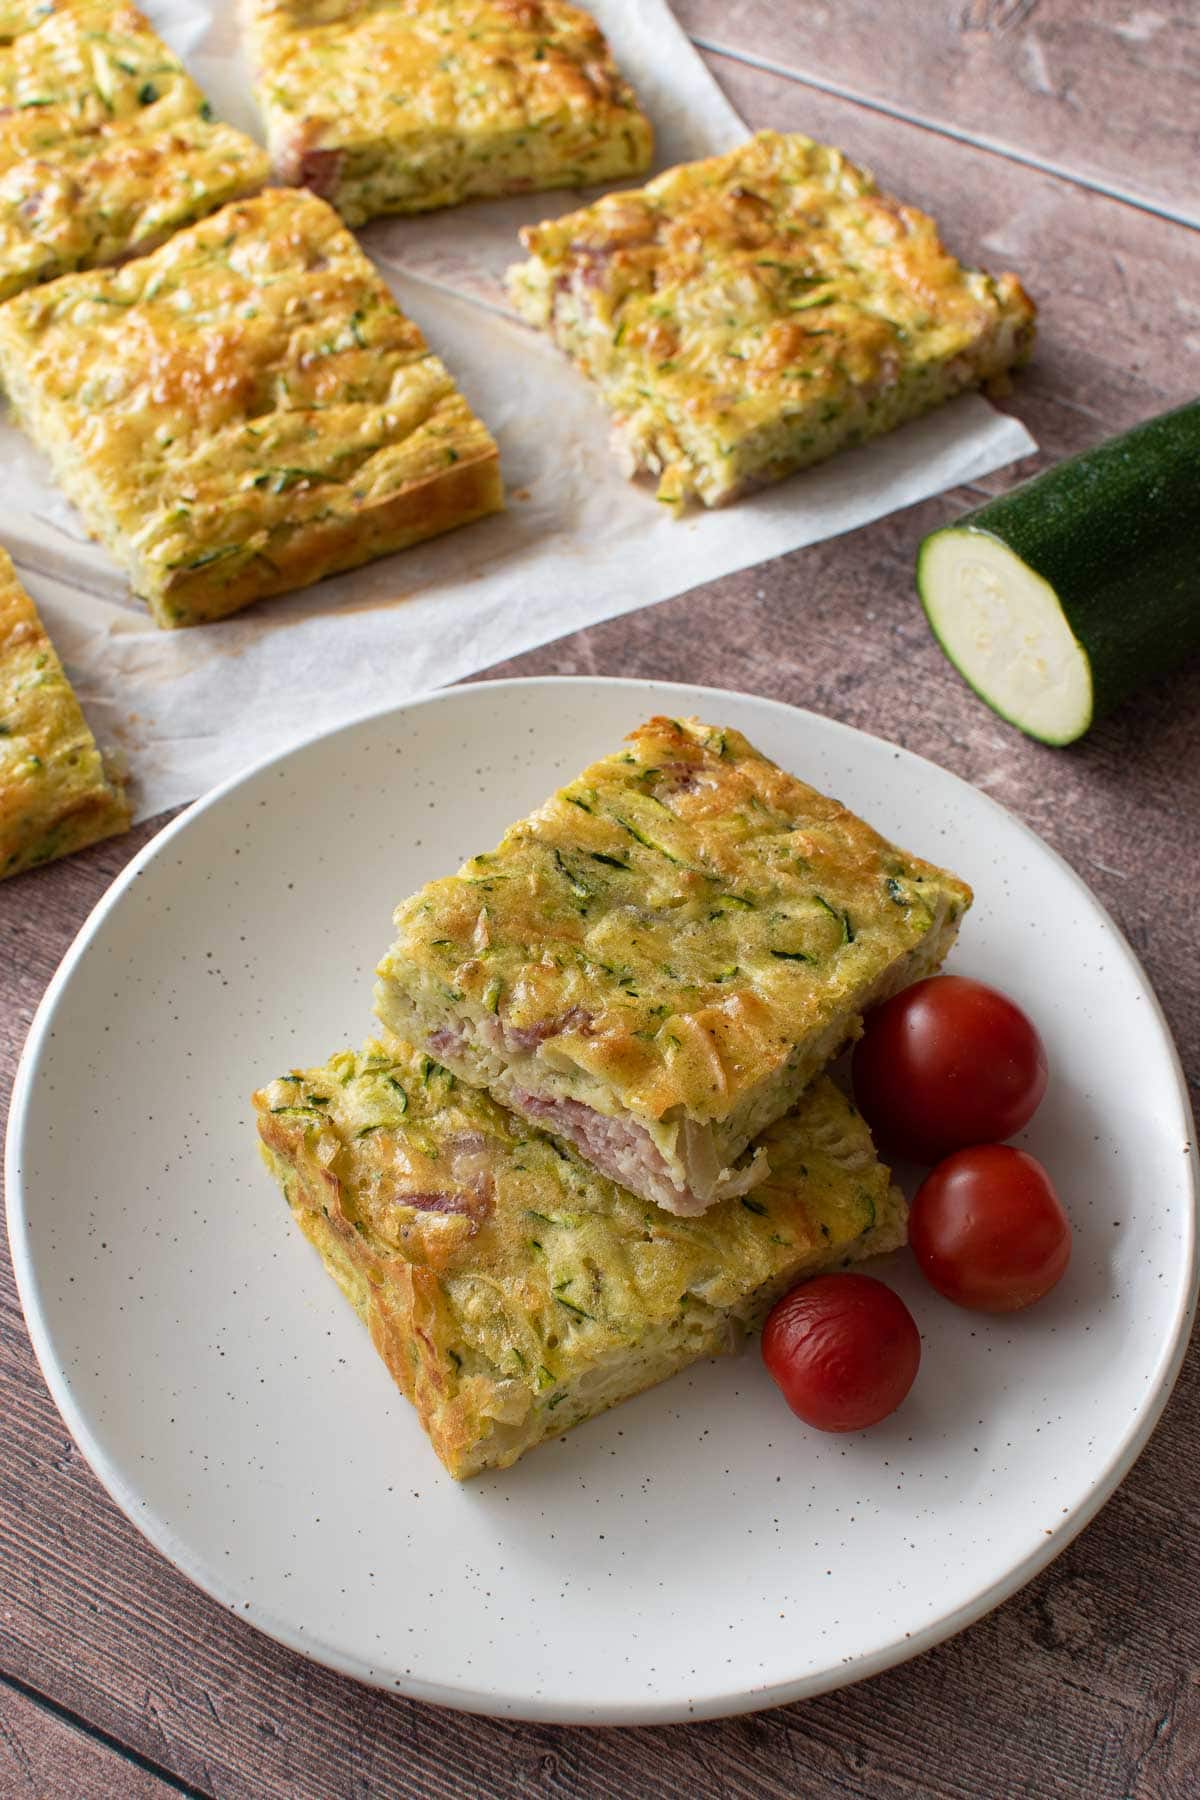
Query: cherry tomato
x=988 y=1229
x=945 y=1064
x=843 y=1349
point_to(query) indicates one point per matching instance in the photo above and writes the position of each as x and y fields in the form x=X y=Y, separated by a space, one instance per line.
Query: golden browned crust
x=753 y=313
x=671 y=925
x=404 y=105
x=56 y=795
x=245 y=411
x=511 y=1290
x=106 y=144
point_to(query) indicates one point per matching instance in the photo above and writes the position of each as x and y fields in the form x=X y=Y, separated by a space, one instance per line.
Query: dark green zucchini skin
x=1115 y=532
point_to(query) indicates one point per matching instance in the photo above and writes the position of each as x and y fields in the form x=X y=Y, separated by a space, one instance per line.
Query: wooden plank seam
x=97 y=1734
x=977 y=141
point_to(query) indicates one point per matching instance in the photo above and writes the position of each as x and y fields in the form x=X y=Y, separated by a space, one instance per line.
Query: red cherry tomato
x=988 y=1229
x=945 y=1064
x=843 y=1349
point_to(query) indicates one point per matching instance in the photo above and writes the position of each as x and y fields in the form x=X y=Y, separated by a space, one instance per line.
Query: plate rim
x=158 y=1533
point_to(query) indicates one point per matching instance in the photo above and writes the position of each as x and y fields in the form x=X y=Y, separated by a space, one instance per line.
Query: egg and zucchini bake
x=399 y=106
x=753 y=313
x=56 y=795
x=244 y=411
x=510 y=1289
x=106 y=145
x=656 y=963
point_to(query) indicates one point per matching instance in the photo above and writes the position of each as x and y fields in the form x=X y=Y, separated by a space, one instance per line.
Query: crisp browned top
x=252 y=377
x=682 y=916
x=106 y=143
x=772 y=286
x=350 y=88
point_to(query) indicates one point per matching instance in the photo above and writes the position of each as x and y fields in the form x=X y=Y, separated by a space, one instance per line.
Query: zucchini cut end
x=1004 y=629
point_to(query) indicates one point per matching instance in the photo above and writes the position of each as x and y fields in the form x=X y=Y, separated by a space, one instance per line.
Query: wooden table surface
x=1057 y=137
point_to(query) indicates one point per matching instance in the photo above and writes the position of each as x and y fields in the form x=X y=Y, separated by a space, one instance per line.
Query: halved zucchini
x=1055 y=601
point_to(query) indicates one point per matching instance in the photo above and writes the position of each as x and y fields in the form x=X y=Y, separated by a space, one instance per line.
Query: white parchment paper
x=578 y=543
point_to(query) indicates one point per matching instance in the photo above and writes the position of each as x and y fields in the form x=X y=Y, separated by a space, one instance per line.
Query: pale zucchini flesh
x=1004 y=629
x=1059 y=599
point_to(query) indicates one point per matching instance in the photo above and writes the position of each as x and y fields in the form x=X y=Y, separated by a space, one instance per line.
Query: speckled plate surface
x=697 y=1551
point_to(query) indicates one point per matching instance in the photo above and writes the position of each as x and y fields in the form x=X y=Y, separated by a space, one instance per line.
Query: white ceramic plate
x=696 y=1551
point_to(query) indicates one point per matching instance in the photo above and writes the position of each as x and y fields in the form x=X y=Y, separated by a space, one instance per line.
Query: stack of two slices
x=595 y=1141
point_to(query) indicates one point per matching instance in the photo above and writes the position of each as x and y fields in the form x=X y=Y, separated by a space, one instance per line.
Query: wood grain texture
x=44 y=1756
x=1104 y=92
x=1088 y=1682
